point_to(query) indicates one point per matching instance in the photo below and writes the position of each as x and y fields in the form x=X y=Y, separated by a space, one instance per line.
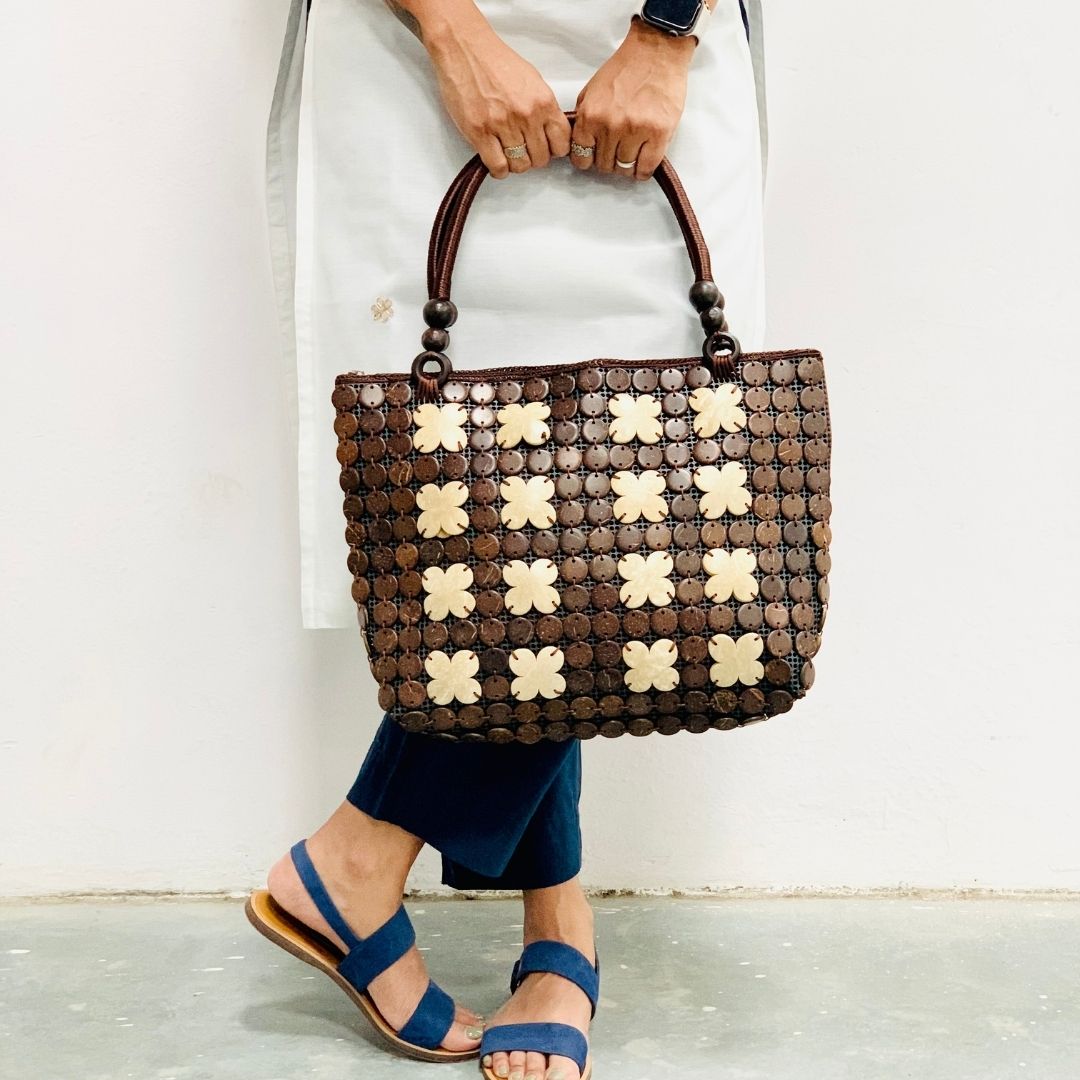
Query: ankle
x=562 y=912
x=353 y=846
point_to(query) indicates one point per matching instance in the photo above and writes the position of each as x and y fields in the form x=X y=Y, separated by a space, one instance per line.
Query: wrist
x=443 y=22
x=659 y=44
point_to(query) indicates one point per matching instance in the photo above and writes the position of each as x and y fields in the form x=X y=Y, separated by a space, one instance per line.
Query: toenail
x=515 y=1075
x=487 y=1060
x=556 y=1076
x=473 y=1032
x=531 y=1076
x=501 y=1070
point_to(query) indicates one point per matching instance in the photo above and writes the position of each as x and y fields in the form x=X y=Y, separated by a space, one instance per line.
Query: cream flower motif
x=439 y=426
x=731 y=573
x=646 y=579
x=650 y=668
x=448 y=591
x=530 y=586
x=452 y=677
x=717 y=409
x=635 y=418
x=736 y=660
x=518 y=423
x=441 y=509
x=725 y=489
x=640 y=495
x=537 y=673
x=527 y=501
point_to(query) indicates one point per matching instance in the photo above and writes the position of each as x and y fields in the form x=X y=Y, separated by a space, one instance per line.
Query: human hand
x=632 y=105
x=495 y=97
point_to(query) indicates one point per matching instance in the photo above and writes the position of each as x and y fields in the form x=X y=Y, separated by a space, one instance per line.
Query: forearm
x=432 y=20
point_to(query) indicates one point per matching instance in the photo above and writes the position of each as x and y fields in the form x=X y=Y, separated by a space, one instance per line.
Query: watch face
x=674 y=15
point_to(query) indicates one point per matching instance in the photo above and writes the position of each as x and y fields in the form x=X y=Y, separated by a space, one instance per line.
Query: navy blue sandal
x=548 y=1038
x=366 y=957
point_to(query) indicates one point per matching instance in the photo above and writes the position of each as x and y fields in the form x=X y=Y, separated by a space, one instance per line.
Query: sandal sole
x=278 y=926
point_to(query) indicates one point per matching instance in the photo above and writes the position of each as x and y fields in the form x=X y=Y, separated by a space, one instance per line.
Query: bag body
x=603 y=547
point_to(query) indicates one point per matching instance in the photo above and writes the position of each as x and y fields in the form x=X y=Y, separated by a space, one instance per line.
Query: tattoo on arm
x=406 y=17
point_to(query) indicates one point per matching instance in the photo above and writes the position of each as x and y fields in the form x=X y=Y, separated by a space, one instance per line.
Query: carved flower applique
x=640 y=495
x=646 y=579
x=717 y=409
x=650 y=668
x=731 y=573
x=441 y=513
x=523 y=423
x=452 y=677
x=725 y=489
x=537 y=673
x=736 y=660
x=635 y=418
x=530 y=586
x=526 y=501
x=439 y=425
x=448 y=591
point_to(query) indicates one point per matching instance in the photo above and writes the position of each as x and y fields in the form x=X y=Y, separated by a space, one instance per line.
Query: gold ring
x=581 y=151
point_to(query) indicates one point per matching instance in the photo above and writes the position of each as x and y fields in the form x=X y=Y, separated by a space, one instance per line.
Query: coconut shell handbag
x=601 y=547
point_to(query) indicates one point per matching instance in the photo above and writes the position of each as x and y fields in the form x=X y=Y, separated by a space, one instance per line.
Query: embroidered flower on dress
x=650 y=668
x=736 y=661
x=717 y=409
x=731 y=573
x=640 y=495
x=530 y=586
x=452 y=677
x=635 y=418
x=518 y=423
x=537 y=673
x=725 y=489
x=527 y=501
x=646 y=579
x=441 y=509
x=439 y=425
x=448 y=591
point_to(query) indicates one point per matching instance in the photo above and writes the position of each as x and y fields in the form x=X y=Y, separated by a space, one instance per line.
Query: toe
x=561 y=1068
x=535 y=1065
x=500 y=1063
x=462 y=1037
x=517 y=1065
x=466 y=1015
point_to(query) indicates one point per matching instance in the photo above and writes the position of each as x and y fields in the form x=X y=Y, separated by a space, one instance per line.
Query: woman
x=372 y=118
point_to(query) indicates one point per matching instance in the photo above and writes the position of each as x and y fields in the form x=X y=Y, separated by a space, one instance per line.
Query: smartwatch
x=683 y=18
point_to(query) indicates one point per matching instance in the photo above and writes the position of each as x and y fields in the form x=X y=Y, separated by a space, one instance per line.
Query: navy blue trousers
x=502 y=815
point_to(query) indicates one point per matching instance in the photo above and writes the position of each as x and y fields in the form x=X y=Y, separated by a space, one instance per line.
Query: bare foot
x=363 y=863
x=561 y=913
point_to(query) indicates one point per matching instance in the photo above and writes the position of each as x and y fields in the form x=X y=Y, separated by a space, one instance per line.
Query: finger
x=558 y=135
x=491 y=154
x=536 y=141
x=628 y=149
x=649 y=157
x=515 y=138
x=606 y=141
x=583 y=136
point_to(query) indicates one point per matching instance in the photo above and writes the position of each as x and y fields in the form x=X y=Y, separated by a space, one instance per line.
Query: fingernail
x=473 y=1032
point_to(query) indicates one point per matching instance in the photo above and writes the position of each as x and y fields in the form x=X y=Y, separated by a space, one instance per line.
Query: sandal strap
x=431 y=1019
x=309 y=878
x=562 y=959
x=545 y=1038
x=366 y=957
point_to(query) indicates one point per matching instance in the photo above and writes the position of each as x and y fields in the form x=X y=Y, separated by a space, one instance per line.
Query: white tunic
x=555 y=265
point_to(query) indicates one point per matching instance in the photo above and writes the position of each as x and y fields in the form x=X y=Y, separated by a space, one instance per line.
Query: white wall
x=168 y=725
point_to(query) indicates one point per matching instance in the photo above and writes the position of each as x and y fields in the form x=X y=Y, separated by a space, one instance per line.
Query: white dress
x=555 y=265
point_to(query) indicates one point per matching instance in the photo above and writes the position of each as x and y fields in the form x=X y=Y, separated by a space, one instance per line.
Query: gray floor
x=783 y=989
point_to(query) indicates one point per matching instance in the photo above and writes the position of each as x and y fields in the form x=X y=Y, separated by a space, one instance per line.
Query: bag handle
x=432 y=367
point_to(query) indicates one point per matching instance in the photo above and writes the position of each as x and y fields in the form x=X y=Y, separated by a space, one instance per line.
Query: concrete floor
x=784 y=989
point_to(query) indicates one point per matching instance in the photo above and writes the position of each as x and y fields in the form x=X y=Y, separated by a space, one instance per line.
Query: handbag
x=592 y=548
